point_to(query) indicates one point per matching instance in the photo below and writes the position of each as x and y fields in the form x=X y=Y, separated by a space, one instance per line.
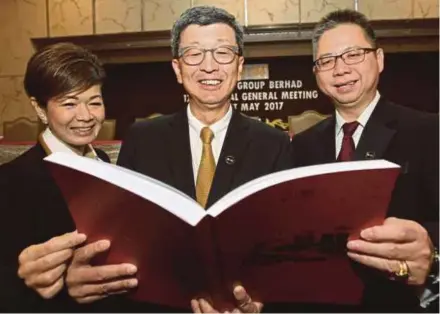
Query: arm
x=284 y=158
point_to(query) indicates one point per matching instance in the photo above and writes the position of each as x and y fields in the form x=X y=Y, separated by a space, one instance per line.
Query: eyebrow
x=77 y=98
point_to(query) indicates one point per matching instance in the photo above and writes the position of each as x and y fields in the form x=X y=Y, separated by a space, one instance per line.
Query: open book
x=282 y=236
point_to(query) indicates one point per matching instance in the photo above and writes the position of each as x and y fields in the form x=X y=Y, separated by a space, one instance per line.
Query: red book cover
x=281 y=236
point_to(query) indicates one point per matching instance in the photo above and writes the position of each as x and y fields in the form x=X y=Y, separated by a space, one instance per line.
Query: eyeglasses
x=353 y=56
x=195 y=56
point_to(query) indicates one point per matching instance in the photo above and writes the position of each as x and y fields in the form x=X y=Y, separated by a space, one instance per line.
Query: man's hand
x=42 y=266
x=397 y=240
x=88 y=283
x=244 y=304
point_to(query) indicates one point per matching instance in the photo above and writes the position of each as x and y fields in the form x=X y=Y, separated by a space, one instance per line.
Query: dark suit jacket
x=404 y=136
x=33 y=211
x=160 y=148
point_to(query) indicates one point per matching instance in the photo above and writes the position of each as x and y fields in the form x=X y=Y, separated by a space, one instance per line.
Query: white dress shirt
x=362 y=120
x=219 y=129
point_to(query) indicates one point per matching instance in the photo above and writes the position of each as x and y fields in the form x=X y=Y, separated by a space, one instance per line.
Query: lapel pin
x=370 y=155
x=230 y=160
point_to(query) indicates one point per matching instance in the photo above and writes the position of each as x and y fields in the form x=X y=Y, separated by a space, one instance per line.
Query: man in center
x=184 y=149
x=205 y=150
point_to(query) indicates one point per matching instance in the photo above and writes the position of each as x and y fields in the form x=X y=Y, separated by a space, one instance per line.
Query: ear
x=41 y=113
x=240 y=66
x=176 y=67
x=380 y=56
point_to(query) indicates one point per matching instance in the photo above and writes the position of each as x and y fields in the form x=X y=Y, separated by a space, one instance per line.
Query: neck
x=80 y=150
x=209 y=116
x=352 y=113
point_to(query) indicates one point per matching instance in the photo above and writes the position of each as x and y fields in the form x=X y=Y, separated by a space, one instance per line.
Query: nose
x=83 y=112
x=209 y=64
x=341 y=67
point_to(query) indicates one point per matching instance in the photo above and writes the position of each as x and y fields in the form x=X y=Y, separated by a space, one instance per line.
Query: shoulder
x=149 y=125
x=315 y=132
x=29 y=158
x=262 y=130
x=25 y=167
x=412 y=120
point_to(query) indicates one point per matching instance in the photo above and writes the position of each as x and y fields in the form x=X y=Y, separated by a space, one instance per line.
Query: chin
x=81 y=141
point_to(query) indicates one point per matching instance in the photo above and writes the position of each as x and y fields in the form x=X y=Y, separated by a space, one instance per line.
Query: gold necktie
x=206 y=168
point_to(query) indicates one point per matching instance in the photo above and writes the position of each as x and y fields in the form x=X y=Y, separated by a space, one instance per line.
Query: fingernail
x=352 y=245
x=131 y=269
x=103 y=245
x=81 y=236
x=132 y=283
x=366 y=234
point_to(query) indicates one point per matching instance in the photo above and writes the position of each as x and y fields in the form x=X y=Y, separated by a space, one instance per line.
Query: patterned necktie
x=347 y=148
x=206 y=168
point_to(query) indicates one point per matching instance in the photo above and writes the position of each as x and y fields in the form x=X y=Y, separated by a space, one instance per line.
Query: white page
x=166 y=196
x=274 y=178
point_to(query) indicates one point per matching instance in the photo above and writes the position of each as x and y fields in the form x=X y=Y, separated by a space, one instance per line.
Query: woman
x=63 y=82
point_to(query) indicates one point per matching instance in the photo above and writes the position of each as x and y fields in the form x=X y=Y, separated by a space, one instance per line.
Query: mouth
x=346 y=87
x=83 y=130
x=345 y=84
x=210 y=83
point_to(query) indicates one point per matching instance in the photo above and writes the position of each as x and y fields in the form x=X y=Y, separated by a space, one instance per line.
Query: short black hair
x=204 y=15
x=339 y=17
x=59 y=69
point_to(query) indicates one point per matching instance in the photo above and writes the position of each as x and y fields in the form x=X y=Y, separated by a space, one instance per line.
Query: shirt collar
x=216 y=128
x=52 y=144
x=362 y=119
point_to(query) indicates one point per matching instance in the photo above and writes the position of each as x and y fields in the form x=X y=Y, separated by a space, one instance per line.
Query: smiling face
x=351 y=87
x=208 y=84
x=75 y=118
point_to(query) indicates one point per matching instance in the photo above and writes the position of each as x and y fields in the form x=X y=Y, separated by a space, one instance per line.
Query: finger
x=65 y=241
x=103 y=289
x=44 y=263
x=388 y=250
x=244 y=301
x=393 y=230
x=84 y=254
x=195 y=306
x=50 y=292
x=91 y=299
x=48 y=278
x=382 y=264
x=100 y=273
x=94 y=298
x=205 y=307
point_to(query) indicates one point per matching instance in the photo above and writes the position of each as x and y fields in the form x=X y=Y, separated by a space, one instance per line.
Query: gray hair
x=204 y=15
x=336 y=18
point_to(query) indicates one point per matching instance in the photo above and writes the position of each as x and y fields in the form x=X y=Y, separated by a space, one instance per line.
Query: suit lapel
x=180 y=154
x=377 y=133
x=231 y=157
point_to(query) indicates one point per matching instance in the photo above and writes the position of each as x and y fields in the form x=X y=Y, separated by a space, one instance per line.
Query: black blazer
x=33 y=211
x=160 y=148
x=404 y=136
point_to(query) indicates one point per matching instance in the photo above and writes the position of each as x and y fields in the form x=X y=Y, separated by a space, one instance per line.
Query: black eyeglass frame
x=343 y=56
x=182 y=51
